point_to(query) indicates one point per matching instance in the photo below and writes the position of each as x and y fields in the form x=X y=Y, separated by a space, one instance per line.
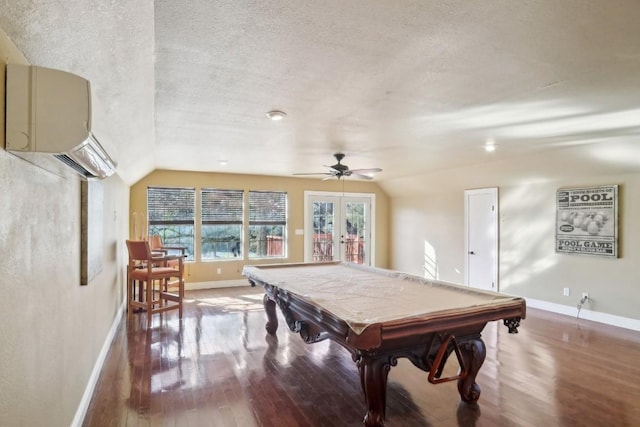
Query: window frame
x=274 y=218
x=234 y=218
x=181 y=214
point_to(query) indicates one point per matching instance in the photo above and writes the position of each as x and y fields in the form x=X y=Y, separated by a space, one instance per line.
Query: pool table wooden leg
x=473 y=353
x=272 y=317
x=374 y=372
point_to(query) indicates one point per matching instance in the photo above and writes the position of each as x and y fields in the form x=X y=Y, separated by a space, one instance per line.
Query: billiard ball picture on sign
x=587 y=221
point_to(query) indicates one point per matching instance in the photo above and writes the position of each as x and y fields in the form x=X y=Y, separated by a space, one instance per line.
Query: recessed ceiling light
x=276 y=115
x=490 y=145
x=222 y=162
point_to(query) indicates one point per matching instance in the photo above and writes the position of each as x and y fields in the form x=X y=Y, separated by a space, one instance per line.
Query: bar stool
x=150 y=269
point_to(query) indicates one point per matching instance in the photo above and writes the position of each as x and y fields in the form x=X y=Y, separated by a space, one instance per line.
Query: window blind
x=267 y=208
x=222 y=206
x=170 y=205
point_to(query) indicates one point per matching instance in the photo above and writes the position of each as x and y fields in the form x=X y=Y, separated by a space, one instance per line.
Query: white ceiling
x=408 y=86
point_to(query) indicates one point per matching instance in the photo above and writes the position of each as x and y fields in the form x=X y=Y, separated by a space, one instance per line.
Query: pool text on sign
x=592 y=197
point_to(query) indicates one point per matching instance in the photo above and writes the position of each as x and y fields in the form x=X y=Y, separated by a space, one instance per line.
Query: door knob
x=471 y=253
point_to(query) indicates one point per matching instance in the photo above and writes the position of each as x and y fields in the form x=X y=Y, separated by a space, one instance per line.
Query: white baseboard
x=214 y=284
x=609 y=319
x=97 y=368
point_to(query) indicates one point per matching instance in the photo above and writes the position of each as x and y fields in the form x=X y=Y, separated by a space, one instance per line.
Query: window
x=171 y=215
x=267 y=224
x=222 y=216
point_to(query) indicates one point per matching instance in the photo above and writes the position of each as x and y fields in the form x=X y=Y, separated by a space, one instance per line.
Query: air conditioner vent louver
x=74 y=165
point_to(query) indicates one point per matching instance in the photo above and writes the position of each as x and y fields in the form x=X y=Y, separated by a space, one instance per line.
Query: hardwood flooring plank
x=219 y=368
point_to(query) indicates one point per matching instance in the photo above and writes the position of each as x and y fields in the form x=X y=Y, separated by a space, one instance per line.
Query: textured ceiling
x=408 y=86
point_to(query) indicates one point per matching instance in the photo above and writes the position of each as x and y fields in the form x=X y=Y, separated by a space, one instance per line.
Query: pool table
x=381 y=315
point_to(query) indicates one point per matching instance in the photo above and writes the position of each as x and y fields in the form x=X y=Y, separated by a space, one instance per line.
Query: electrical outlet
x=566 y=292
x=585 y=296
x=219 y=271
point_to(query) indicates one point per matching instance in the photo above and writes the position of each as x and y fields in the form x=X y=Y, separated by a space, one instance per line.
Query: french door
x=338 y=227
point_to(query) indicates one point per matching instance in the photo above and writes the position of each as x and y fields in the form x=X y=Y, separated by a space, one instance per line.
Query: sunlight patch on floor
x=240 y=302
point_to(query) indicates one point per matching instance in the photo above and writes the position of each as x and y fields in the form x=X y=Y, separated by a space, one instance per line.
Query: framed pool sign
x=587 y=221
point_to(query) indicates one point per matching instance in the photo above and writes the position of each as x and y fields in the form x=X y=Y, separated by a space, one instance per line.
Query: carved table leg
x=473 y=353
x=374 y=372
x=272 y=317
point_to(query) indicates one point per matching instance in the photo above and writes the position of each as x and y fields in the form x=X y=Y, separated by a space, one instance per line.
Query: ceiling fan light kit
x=340 y=170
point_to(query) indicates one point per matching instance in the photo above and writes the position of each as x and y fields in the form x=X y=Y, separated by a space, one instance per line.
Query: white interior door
x=338 y=227
x=481 y=238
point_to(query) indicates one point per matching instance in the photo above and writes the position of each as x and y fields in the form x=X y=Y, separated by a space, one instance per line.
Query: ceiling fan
x=339 y=170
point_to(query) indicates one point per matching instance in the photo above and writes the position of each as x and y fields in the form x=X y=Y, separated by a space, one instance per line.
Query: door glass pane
x=355 y=232
x=322 y=231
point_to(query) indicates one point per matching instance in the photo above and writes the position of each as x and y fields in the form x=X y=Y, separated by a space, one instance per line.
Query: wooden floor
x=219 y=368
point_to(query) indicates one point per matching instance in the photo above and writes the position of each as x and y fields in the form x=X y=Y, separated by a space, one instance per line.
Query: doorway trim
x=308 y=225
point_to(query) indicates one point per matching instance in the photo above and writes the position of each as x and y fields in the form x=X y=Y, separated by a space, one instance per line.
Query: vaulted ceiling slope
x=412 y=87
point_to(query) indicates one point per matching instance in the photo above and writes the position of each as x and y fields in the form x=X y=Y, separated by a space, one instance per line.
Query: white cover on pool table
x=362 y=296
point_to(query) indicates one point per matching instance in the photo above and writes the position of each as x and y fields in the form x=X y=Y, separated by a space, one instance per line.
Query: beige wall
x=295 y=187
x=531 y=267
x=428 y=237
x=52 y=329
x=429 y=224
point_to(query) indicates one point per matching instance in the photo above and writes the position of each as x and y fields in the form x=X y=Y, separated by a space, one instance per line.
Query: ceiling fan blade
x=361 y=171
x=331 y=168
x=314 y=173
x=359 y=175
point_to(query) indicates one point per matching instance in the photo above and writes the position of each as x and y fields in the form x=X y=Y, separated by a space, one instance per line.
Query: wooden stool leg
x=149 y=302
x=181 y=296
x=129 y=295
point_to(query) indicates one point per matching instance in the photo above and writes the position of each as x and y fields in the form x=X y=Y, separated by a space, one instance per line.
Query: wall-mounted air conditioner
x=48 y=121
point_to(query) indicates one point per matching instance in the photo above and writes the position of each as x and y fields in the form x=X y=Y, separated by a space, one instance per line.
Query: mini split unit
x=48 y=122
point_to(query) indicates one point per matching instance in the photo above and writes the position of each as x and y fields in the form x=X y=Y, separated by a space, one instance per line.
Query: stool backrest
x=155 y=242
x=139 y=250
